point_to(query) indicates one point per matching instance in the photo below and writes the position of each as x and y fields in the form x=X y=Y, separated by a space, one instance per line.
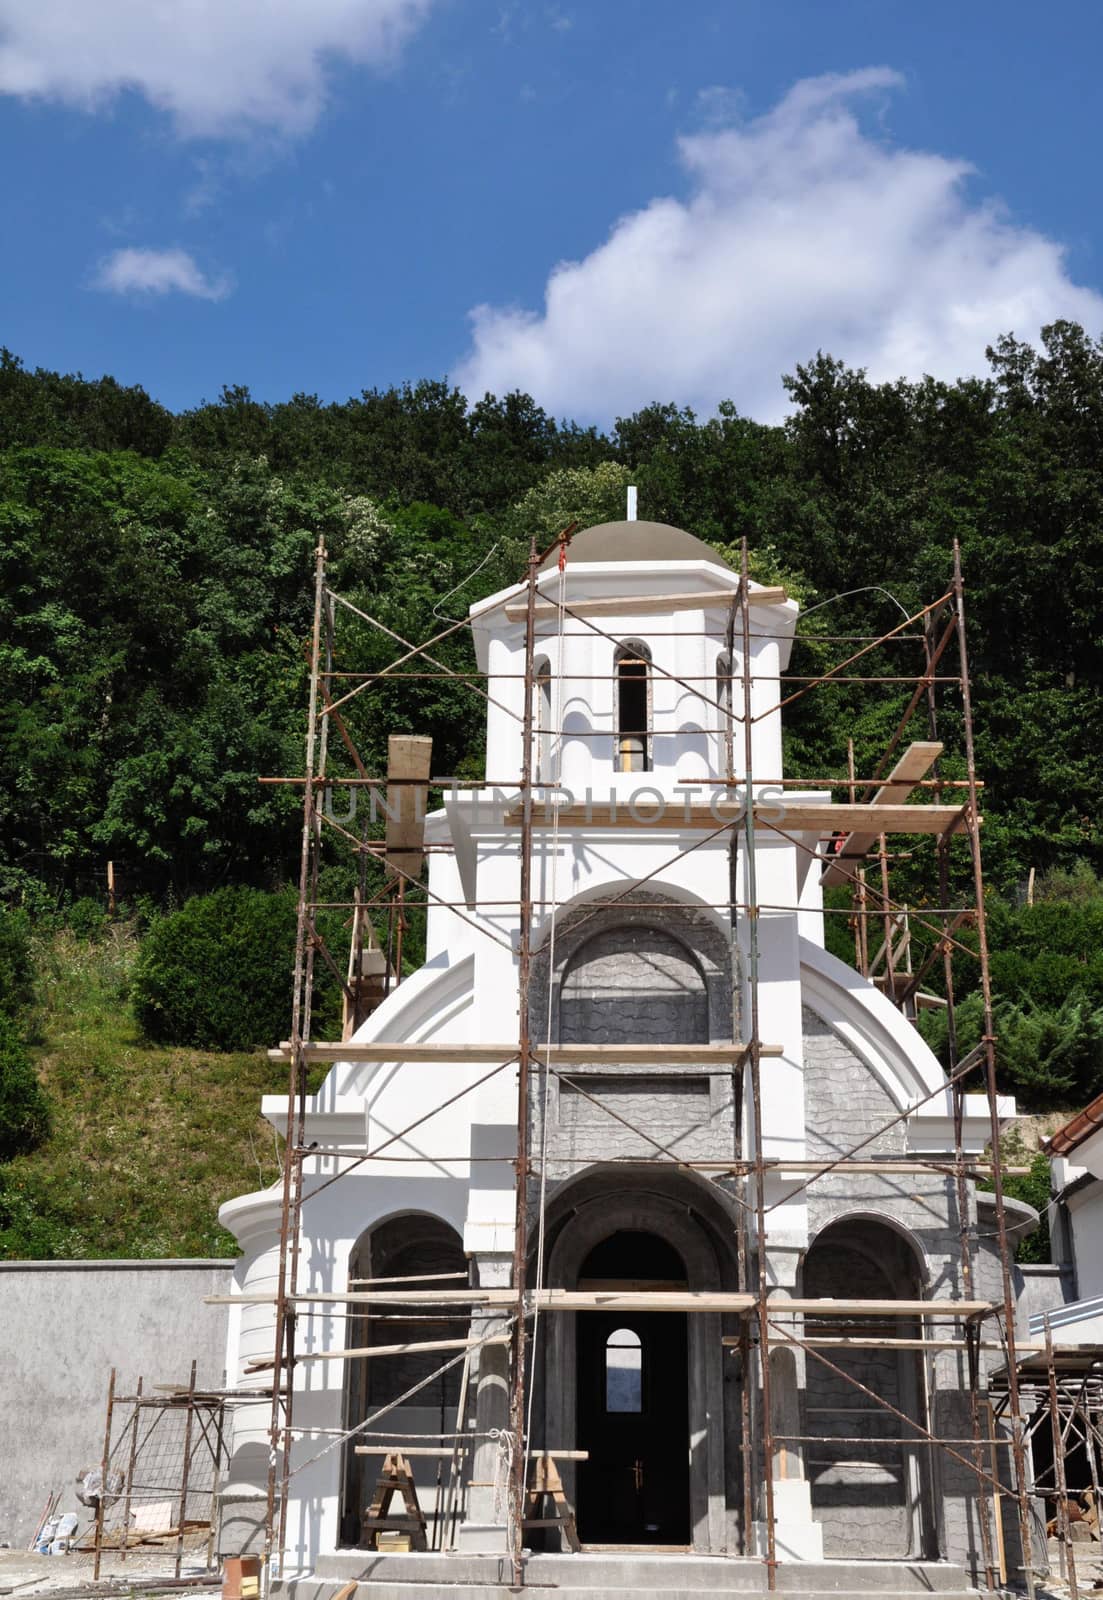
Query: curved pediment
x=874 y=1029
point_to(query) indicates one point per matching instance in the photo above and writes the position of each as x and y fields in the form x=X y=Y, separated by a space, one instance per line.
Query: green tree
x=24 y=1113
x=217 y=973
x=16 y=965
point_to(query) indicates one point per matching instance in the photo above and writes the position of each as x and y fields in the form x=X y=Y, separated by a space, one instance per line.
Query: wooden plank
x=915 y=763
x=879 y=1308
x=559 y=1055
x=636 y=605
x=541 y=1299
x=412 y=1348
x=939 y=1165
x=846 y=1342
x=821 y=817
x=625 y=1300
x=447 y=1449
x=408 y=756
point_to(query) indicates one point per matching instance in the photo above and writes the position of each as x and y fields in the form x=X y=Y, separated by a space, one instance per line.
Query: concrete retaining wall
x=65 y=1325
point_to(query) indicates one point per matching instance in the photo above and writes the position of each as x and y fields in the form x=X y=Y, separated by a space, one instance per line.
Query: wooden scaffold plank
x=824 y=818
x=459 y=1052
x=695 y=1300
x=915 y=763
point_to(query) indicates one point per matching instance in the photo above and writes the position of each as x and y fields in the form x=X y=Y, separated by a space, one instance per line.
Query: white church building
x=639 y=936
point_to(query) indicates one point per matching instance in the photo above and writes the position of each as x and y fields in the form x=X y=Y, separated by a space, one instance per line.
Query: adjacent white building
x=1076 y=1226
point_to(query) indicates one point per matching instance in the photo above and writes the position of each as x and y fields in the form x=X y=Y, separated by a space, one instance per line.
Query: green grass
x=147 y=1140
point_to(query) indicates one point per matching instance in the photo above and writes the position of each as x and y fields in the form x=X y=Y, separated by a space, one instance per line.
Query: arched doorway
x=871 y=1498
x=614 y=1227
x=407 y=1246
x=633 y=1401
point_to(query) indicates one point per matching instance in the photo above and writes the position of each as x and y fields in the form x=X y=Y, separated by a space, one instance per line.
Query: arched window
x=725 y=742
x=623 y=1371
x=543 y=712
x=632 y=669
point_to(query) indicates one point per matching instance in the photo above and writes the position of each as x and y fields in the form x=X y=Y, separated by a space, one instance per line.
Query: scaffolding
x=165 y=1448
x=896 y=946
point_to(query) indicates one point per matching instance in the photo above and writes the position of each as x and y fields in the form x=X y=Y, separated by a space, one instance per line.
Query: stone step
x=389 y=1589
x=622 y=1575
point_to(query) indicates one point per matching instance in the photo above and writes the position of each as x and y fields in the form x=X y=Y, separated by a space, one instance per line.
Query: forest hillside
x=155 y=601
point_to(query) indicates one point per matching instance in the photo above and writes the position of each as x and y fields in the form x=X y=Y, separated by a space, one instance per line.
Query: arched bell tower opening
x=632 y=689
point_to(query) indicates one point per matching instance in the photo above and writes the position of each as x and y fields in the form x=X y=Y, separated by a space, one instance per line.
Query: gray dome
x=636 y=541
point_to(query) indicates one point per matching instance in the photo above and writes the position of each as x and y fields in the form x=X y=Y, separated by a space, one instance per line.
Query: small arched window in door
x=623 y=1371
x=633 y=692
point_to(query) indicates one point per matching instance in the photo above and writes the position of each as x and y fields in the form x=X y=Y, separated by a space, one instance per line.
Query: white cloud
x=149 y=273
x=801 y=231
x=217 y=67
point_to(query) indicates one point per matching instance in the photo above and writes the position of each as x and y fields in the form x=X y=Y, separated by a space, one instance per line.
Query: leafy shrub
x=1076 y=883
x=24 y=1112
x=16 y=966
x=87 y=918
x=1045 y=1055
x=33 y=1227
x=217 y=973
x=1034 y=1187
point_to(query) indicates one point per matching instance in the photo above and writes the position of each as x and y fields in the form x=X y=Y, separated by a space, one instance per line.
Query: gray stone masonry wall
x=65 y=1325
x=844 y=1103
x=861 y=1493
x=896 y=1237
x=657 y=975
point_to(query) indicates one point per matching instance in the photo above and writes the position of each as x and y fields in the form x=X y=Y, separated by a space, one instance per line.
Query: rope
x=503 y=1471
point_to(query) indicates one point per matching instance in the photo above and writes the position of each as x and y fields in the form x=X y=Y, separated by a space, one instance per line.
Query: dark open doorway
x=633 y=1402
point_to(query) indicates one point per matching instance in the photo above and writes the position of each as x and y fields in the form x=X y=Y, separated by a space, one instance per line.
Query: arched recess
x=688 y=939
x=633 y=983
x=657 y=972
x=873 y=1499
x=413 y=1244
x=594 y=1223
x=725 y=731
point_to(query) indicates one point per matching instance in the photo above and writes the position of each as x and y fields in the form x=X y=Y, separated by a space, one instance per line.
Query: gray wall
x=65 y=1325
x=844 y=1101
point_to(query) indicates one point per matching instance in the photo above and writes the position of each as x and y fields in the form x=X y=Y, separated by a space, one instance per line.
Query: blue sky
x=319 y=195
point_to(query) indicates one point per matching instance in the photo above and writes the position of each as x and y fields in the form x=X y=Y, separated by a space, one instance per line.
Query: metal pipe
x=130 y=1468
x=524 y=1053
x=755 y=1063
x=185 y=1474
x=1063 y=1523
x=105 y=1461
x=972 y=815
x=279 y=1439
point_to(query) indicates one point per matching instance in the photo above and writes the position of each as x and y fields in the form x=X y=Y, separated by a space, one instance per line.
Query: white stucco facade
x=454 y=1165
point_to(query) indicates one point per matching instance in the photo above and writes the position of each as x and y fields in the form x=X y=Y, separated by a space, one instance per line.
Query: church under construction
x=634 y=1239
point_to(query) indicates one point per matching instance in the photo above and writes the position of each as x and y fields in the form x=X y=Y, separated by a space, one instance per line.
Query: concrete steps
x=623 y=1575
